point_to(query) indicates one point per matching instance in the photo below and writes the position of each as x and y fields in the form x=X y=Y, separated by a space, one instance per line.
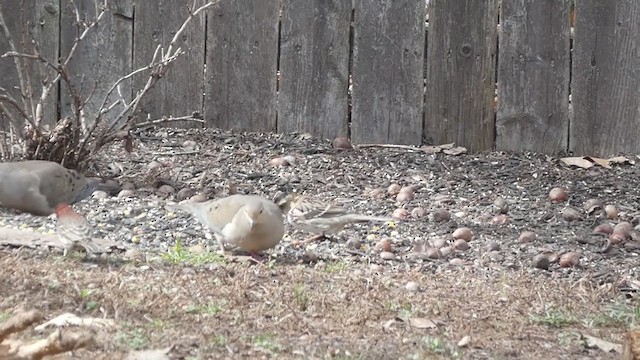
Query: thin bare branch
x=14 y=104
x=165 y=120
x=37 y=57
x=47 y=89
x=19 y=66
x=12 y=120
x=178 y=34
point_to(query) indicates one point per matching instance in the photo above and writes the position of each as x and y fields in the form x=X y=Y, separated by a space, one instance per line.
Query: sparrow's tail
x=356 y=218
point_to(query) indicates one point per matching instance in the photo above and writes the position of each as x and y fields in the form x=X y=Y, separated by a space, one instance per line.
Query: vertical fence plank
x=533 y=76
x=314 y=67
x=23 y=19
x=387 y=73
x=179 y=92
x=606 y=78
x=242 y=54
x=461 y=73
x=101 y=58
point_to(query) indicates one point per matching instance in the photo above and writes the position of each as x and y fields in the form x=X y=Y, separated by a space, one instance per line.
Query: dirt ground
x=330 y=300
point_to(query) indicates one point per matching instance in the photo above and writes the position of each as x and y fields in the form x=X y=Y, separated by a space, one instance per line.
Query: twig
x=19 y=66
x=193 y=152
x=392 y=146
x=167 y=57
x=14 y=103
x=18 y=322
x=165 y=120
x=47 y=89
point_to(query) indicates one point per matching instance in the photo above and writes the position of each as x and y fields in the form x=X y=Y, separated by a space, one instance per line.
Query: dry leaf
x=620 y=160
x=464 y=341
x=603 y=345
x=388 y=325
x=455 y=151
x=602 y=162
x=577 y=161
x=160 y=354
x=421 y=323
x=71 y=319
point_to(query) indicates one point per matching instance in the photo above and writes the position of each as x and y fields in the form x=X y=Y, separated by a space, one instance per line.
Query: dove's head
x=253 y=211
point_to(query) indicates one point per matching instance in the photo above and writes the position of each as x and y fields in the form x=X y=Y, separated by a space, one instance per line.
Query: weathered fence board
x=314 y=67
x=180 y=91
x=533 y=76
x=388 y=55
x=461 y=73
x=242 y=55
x=42 y=20
x=100 y=59
x=606 y=78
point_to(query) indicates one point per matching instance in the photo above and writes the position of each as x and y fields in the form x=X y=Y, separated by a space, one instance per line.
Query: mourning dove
x=250 y=222
x=37 y=186
x=314 y=216
x=73 y=230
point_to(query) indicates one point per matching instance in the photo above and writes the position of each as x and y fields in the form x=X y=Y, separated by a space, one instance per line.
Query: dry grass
x=335 y=310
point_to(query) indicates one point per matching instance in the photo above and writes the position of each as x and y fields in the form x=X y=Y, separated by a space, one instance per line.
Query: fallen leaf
x=464 y=341
x=421 y=323
x=455 y=151
x=577 y=161
x=620 y=160
x=388 y=325
x=71 y=319
x=602 y=162
x=160 y=354
x=606 y=346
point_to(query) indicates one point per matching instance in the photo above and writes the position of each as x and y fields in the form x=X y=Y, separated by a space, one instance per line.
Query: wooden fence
x=370 y=69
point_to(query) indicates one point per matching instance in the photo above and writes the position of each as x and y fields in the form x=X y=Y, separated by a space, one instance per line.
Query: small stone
x=441 y=215
x=189 y=144
x=456 y=262
x=461 y=245
x=154 y=165
x=377 y=268
x=394 y=189
x=385 y=255
x=198 y=198
x=501 y=205
x=166 y=190
x=571 y=214
x=493 y=246
x=185 y=193
x=446 y=251
x=384 y=245
x=290 y=159
x=342 y=143
x=400 y=214
x=464 y=341
x=353 y=244
x=433 y=253
x=128 y=185
x=418 y=213
x=569 y=259
x=412 y=286
x=541 y=261
x=309 y=257
x=439 y=243
x=126 y=193
x=527 y=237
x=99 y=194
